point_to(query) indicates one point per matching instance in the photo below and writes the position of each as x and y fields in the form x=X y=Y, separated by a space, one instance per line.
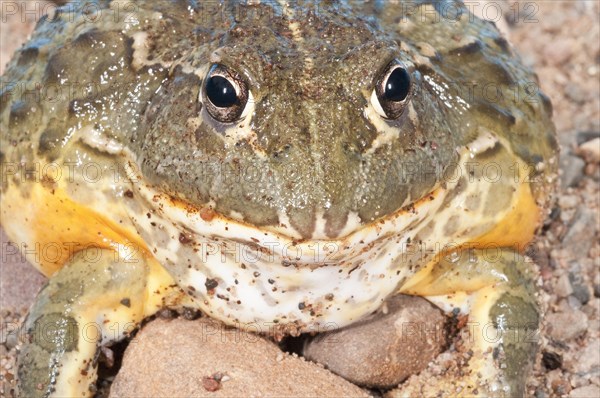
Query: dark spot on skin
x=503 y=44
x=22 y=111
x=126 y=302
x=211 y=284
x=490 y=153
x=184 y=239
x=55 y=332
x=501 y=73
x=50 y=142
x=501 y=115
x=547 y=103
x=470 y=48
x=128 y=194
x=301 y=306
x=66 y=291
x=27 y=55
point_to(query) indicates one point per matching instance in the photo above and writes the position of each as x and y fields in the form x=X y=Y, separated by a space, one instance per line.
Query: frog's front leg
x=498 y=288
x=96 y=298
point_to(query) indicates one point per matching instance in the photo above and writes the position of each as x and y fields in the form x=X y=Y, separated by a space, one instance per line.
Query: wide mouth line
x=207 y=225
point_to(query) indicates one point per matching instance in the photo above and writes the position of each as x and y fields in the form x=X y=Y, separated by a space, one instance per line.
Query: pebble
x=589 y=357
x=580 y=289
x=590 y=391
x=571 y=170
x=590 y=150
x=566 y=325
x=385 y=349
x=551 y=360
x=181 y=358
x=577 y=239
x=563 y=288
x=12 y=340
x=575 y=92
x=568 y=201
x=585 y=136
x=560 y=51
x=574 y=302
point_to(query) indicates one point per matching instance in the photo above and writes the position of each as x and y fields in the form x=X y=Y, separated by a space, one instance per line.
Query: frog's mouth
x=257 y=278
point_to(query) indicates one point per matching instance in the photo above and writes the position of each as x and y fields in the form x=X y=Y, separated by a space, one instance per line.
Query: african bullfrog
x=284 y=168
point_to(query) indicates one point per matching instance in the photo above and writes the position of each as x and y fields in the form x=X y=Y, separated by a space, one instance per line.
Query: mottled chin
x=254 y=277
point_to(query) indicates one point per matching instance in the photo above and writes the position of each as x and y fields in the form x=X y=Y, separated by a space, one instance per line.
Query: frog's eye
x=225 y=94
x=392 y=91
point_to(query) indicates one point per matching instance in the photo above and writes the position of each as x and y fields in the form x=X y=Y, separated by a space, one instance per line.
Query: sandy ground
x=561 y=40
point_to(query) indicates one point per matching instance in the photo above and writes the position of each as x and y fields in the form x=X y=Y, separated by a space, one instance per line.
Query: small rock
x=566 y=325
x=563 y=287
x=211 y=384
x=590 y=150
x=572 y=170
x=551 y=360
x=568 y=201
x=561 y=387
x=585 y=136
x=539 y=393
x=574 y=302
x=384 y=349
x=575 y=92
x=560 y=52
x=589 y=357
x=580 y=290
x=577 y=239
x=180 y=358
x=585 y=392
x=12 y=339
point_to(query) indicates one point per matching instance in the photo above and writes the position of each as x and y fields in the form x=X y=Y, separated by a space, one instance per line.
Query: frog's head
x=313 y=130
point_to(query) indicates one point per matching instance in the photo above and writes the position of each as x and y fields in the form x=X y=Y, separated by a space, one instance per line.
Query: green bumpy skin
x=343 y=206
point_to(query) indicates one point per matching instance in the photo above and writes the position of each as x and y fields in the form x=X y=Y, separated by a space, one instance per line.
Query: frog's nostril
x=282 y=151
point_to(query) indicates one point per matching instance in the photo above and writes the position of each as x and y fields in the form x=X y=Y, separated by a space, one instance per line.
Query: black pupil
x=397 y=85
x=221 y=92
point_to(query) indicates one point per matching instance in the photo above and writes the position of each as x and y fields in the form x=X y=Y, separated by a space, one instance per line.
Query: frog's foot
x=95 y=299
x=497 y=289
